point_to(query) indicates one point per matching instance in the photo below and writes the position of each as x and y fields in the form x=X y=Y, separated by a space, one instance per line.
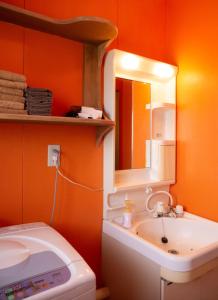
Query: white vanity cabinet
x=131 y=276
x=203 y=288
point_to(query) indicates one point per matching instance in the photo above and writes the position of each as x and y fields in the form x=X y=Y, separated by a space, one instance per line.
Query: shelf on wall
x=88 y=30
x=133 y=185
x=103 y=126
x=94 y=32
x=161 y=105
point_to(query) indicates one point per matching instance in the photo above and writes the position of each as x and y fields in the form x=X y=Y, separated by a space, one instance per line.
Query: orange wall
x=26 y=183
x=192 y=30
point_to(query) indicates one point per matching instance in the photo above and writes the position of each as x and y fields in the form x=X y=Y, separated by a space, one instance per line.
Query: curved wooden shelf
x=88 y=30
x=95 y=33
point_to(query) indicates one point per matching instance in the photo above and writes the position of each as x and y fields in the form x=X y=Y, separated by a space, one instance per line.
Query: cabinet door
x=203 y=288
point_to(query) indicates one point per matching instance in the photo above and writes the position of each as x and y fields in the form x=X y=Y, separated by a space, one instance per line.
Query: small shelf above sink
x=161 y=105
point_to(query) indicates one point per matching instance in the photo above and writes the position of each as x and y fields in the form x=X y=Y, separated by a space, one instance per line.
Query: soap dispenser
x=128 y=213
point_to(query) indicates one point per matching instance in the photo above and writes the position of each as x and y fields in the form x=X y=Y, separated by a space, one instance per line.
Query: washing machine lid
x=33 y=238
x=24 y=265
x=12 y=253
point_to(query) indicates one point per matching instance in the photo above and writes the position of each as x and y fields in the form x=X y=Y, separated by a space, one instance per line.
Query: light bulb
x=130 y=62
x=163 y=70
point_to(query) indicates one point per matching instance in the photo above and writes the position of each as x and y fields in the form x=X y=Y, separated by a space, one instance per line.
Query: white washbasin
x=184 y=235
x=194 y=239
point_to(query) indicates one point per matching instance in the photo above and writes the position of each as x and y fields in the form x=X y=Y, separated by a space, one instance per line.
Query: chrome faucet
x=160 y=210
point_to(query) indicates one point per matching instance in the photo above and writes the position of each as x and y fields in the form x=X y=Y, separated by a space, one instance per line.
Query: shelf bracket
x=101 y=132
x=93 y=56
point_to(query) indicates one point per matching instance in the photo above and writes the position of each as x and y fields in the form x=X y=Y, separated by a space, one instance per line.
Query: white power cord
x=56 y=160
x=76 y=183
x=54 y=197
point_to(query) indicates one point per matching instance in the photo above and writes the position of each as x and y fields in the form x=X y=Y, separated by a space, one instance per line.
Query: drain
x=164 y=240
x=173 y=251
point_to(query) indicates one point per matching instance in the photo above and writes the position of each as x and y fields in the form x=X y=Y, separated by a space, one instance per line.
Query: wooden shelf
x=87 y=30
x=103 y=126
x=95 y=33
x=55 y=120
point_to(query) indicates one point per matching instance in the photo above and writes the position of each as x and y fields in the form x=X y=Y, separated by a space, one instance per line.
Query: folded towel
x=11 y=104
x=13 y=84
x=35 y=94
x=11 y=98
x=31 y=90
x=38 y=110
x=31 y=107
x=38 y=101
x=39 y=113
x=9 y=91
x=12 y=111
x=12 y=76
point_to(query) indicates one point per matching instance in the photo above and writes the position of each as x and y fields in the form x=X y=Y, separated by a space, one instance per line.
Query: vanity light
x=129 y=62
x=163 y=70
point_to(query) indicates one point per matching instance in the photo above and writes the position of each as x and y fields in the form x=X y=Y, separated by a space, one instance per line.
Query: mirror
x=133 y=126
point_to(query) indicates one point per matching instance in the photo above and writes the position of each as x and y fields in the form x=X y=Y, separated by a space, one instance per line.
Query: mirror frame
x=162 y=78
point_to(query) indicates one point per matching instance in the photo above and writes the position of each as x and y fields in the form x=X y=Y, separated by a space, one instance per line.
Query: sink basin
x=184 y=235
x=192 y=242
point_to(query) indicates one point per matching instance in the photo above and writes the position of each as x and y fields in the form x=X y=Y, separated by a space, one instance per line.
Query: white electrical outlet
x=51 y=148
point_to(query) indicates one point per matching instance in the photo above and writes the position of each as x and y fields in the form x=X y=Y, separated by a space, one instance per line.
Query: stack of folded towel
x=11 y=93
x=38 y=101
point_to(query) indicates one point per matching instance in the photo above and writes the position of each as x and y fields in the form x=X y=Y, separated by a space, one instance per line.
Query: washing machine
x=37 y=263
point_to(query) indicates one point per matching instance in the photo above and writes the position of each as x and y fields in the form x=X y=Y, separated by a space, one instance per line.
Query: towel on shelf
x=40 y=105
x=12 y=111
x=38 y=92
x=10 y=91
x=13 y=84
x=12 y=76
x=38 y=101
x=11 y=104
x=11 y=98
x=40 y=113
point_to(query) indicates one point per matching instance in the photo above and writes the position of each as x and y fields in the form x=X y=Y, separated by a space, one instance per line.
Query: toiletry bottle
x=179 y=210
x=127 y=214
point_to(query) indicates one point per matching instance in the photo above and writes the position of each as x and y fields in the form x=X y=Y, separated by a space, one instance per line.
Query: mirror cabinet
x=140 y=96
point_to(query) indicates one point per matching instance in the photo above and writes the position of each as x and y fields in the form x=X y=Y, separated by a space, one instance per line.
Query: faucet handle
x=171 y=212
x=160 y=209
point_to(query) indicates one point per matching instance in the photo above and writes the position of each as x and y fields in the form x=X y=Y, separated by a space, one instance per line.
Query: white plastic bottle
x=179 y=210
x=128 y=214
